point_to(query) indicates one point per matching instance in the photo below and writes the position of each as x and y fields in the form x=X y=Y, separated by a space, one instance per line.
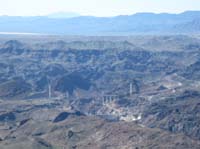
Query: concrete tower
x=131 y=89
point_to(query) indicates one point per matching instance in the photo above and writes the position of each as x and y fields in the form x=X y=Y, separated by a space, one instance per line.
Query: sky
x=94 y=7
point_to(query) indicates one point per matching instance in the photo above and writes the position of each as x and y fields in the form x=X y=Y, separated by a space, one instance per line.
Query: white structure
x=66 y=94
x=49 y=87
x=109 y=98
x=131 y=89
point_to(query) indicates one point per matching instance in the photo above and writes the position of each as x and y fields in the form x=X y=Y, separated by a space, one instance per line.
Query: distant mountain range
x=140 y=23
x=63 y=15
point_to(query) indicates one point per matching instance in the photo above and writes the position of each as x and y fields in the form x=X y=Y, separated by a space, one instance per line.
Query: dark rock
x=64 y=115
x=7 y=117
x=71 y=82
x=70 y=134
x=61 y=117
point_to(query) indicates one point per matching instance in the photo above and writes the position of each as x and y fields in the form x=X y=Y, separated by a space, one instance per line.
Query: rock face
x=193 y=71
x=64 y=115
x=71 y=82
x=7 y=117
x=14 y=88
x=100 y=92
x=90 y=132
x=175 y=116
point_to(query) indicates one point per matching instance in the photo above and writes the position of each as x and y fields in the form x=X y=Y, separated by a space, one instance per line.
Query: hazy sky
x=95 y=7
